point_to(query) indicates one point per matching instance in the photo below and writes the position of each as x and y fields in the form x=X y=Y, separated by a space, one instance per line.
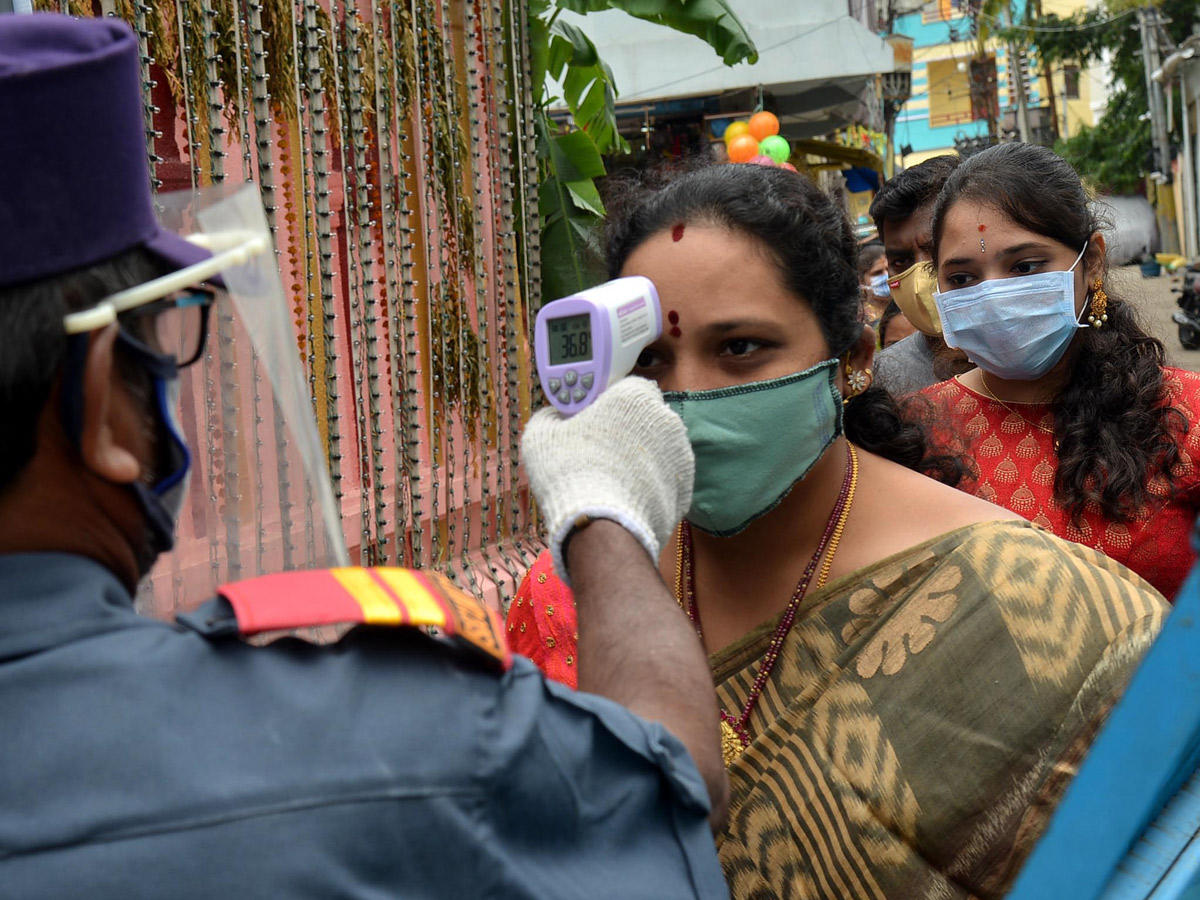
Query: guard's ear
x=106 y=426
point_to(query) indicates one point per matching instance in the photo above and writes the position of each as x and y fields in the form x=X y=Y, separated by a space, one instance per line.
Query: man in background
x=903 y=214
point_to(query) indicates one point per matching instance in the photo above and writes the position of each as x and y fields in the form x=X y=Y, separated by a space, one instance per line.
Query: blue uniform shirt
x=140 y=759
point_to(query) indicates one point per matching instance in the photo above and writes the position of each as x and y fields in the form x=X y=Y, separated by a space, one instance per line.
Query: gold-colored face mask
x=913 y=291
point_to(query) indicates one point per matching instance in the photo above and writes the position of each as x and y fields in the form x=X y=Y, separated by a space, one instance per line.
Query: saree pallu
x=924 y=716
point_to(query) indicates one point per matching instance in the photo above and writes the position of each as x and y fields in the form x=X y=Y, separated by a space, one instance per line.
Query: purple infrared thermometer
x=587 y=341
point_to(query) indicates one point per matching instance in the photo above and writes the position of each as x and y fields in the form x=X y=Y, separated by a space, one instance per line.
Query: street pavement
x=1154 y=301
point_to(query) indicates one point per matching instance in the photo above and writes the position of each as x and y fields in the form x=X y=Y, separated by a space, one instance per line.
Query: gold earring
x=1098 y=315
x=858 y=380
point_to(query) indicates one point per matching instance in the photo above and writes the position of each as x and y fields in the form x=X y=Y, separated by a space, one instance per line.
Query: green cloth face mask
x=754 y=442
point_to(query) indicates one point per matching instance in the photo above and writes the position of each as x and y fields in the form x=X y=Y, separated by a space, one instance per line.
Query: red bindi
x=673 y=317
x=983 y=228
x=675 y=332
x=677 y=233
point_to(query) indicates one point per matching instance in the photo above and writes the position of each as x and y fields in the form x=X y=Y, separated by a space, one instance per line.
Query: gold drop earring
x=1098 y=314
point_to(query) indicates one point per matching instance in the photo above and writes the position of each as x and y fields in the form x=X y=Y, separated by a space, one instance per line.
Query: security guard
x=142 y=759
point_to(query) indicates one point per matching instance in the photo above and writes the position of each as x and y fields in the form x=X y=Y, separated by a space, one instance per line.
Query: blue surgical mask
x=162 y=501
x=754 y=442
x=1013 y=328
x=879 y=286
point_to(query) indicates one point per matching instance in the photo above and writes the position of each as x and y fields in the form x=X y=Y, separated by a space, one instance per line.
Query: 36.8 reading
x=575 y=346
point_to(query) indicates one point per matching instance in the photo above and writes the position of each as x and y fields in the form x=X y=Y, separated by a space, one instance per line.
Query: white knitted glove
x=626 y=458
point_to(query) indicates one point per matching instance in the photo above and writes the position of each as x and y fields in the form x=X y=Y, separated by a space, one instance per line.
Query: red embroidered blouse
x=1015 y=463
x=541 y=623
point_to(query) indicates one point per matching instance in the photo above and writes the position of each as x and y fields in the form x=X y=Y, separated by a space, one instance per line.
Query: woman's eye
x=648 y=359
x=1027 y=266
x=958 y=280
x=740 y=347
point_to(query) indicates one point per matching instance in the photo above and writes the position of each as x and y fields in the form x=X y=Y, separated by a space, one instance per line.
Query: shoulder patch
x=371 y=596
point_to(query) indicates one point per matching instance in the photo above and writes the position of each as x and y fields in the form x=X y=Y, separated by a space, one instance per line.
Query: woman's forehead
x=708 y=267
x=979 y=231
x=970 y=220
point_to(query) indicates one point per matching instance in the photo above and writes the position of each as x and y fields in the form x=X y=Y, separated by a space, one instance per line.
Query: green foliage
x=569 y=204
x=1114 y=154
x=569 y=207
x=588 y=88
x=569 y=159
x=1081 y=37
x=711 y=20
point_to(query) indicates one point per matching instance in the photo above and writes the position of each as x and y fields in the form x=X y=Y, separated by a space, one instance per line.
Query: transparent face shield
x=259 y=498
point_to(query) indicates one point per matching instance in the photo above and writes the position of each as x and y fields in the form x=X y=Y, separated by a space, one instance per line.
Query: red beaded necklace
x=735 y=736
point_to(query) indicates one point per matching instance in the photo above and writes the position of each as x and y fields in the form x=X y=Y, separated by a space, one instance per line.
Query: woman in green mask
x=907 y=674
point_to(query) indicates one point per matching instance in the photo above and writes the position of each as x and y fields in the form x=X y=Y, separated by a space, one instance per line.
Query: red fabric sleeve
x=541 y=623
x=1014 y=464
x=1183 y=391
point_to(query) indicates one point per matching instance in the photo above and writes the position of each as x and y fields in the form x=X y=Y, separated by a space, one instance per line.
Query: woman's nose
x=690 y=373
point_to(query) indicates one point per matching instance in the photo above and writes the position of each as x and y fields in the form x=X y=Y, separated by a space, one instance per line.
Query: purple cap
x=74 y=177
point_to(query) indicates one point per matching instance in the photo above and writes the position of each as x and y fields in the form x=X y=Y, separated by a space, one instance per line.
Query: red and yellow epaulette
x=372 y=596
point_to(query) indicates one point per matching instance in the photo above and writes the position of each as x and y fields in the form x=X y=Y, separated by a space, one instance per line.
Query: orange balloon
x=763 y=125
x=735 y=130
x=743 y=148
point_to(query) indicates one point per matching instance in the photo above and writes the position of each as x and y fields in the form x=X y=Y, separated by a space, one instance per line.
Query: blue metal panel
x=1146 y=752
x=1165 y=859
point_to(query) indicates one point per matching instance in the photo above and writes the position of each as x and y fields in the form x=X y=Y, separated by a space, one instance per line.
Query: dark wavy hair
x=903 y=195
x=1115 y=429
x=809 y=237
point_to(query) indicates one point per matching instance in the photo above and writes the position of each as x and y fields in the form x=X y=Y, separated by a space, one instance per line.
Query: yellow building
x=955 y=91
x=1084 y=92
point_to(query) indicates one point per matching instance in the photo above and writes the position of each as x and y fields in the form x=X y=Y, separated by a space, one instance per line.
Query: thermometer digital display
x=570 y=339
x=587 y=341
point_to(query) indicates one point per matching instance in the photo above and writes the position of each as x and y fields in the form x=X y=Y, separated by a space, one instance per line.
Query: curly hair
x=1115 y=428
x=809 y=237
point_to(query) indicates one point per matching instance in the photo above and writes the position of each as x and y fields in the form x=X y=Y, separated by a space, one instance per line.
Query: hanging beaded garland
x=410 y=305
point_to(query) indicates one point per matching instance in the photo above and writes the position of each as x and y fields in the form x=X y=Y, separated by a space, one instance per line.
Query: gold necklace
x=735 y=736
x=987 y=390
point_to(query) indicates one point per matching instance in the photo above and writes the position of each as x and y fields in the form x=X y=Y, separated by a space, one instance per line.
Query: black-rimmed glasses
x=173 y=326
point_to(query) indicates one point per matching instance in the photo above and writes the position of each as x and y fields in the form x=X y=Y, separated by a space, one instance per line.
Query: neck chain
x=735 y=736
x=987 y=390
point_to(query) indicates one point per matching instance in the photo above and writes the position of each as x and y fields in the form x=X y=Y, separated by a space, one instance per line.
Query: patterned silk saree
x=924 y=717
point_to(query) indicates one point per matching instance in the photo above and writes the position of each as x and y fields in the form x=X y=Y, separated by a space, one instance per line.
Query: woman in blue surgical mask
x=1073 y=420
x=897 y=713
x=873 y=276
